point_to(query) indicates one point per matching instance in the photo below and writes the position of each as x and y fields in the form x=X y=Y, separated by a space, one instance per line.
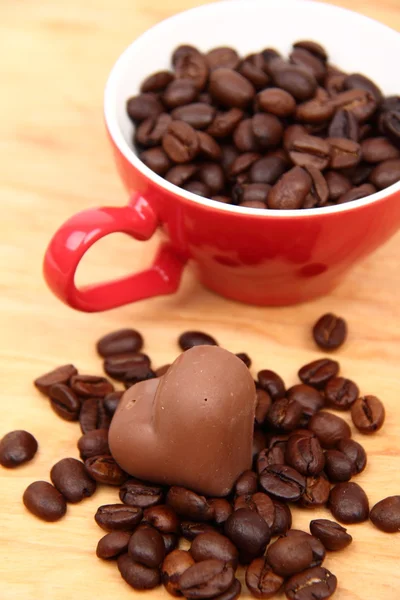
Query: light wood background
x=55 y=160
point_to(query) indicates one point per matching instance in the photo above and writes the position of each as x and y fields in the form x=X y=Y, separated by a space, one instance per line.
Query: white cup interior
x=354 y=43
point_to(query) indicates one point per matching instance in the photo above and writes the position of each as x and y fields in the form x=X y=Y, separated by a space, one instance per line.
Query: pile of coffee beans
x=302 y=454
x=262 y=131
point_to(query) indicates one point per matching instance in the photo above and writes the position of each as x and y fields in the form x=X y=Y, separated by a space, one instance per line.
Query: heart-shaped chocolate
x=191 y=427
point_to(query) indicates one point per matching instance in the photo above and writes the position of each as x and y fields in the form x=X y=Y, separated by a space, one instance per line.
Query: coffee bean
x=197 y=114
x=208 y=147
x=225 y=123
x=318 y=195
x=93 y=415
x=188 y=504
x=180 y=174
x=206 y=579
x=329 y=428
x=244 y=137
x=120 y=342
x=274 y=455
x=315 y=111
x=375 y=150
x=303 y=58
x=17 y=448
x=262 y=407
x=138 y=576
x=104 y=469
x=143 y=106
x=260 y=503
x=283 y=518
x=355 y=453
x=261 y=579
x=249 y=532
x=341 y=393
x=179 y=92
x=299 y=82
x=146 y=546
x=180 y=142
x=222 y=57
x=312 y=47
x=137 y=493
x=267 y=170
x=192 y=67
x=385 y=515
x=305 y=455
x=290 y=190
x=221 y=508
x=267 y=130
x=391 y=125
x=344 y=125
x=330 y=332
x=349 y=503
x=190 y=530
x=157 y=82
x=308 y=150
x=175 y=563
x=188 y=339
x=338 y=184
x=91 y=386
x=319 y=372
x=356 y=193
x=118 y=517
x=357 y=81
x=333 y=536
x=171 y=541
x=212 y=176
x=150 y=132
x=183 y=50
x=44 y=501
x=344 y=153
x=163 y=518
x=360 y=102
x=59 y=375
x=386 y=173
x=113 y=544
x=230 y=88
x=285 y=414
x=127 y=366
x=313 y=584
x=316 y=493
x=317 y=548
x=156 y=159
x=368 y=414
x=282 y=482
x=337 y=466
x=111 y=401
x=289 y=555
x=242 y=163
x=244 y=358
x=232 y=593
x=72 y=480
x=276 y=101
x=253 y=73
x=308 y=397
x=64 y=402
x=246 y=483
x=214 y=545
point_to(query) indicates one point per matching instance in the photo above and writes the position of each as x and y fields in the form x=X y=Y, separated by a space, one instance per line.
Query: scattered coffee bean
x=171 y=541
x=157 y=82
x=17 y=448
x=189 y=505
x=259 y=502
x=285 y=414
x=283 y=518
x=247 y=483
x=190 y=530
x=341 y=393
x=319 y=372
x=146 y=546
x=282 y=482
x=329 y=428
x=308 y=397
x=175 y=563
x=104 y=469
x=232 y=593
x=128 y=367
x=317 y=548
x=111 y=401
x=261 y=579
x=249 y=533
x=120 y=342
x=316 y=583
x=72 y=480
x=337 y=466
x=206 y=579
x=245 y=358
x=91 y=386
x=305 y=454
x=143 y=106
x=289 y=555
x=214 y=545
x=64 y=401
x=331 y=534
x=118 y=517
x=137 y=575
x=355 y=453
x=137 y=493
x=162 y=517
x=113 y=544
x=93 y=443
x=93 y=415
x=44 y=501
x=221 y=508
x=59 y=375
x=368 y=414
x=349 y=503
x=188 y=339
x=316 y=493
x=385 y=515
x=330 y=332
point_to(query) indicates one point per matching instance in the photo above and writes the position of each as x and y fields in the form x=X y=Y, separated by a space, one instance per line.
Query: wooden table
x=55 y=161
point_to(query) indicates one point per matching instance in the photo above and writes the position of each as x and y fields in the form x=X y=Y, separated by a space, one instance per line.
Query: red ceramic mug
x=265 y=257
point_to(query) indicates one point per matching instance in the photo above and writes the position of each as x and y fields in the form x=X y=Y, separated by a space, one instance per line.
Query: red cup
x=264 y=257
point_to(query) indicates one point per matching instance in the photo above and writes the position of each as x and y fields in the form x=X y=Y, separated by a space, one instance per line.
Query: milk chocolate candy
x=192 y=427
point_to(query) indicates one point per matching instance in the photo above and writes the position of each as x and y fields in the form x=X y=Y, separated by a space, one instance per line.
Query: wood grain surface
x=55 y=160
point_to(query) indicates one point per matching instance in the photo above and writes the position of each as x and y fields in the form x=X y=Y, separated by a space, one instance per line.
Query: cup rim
x=115 y=132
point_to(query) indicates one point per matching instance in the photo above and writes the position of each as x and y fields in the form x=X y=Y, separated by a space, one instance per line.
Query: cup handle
x=81 y=231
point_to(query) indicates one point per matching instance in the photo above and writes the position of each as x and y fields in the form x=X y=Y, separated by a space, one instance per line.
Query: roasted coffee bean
x=120 y=342
x=91 y=386
x=267 y=130
x=156 y=82
x=341 y=393
x=180 y=142
x=179 y=92
x=199 y=188
x=267 y=170
x=214 y=545
x=386 y=173
x=230 y=88
x=192 y=67
x=313 y=584
x=283 y=518
x=113 y=544
x=318 y=195
x=260 y=503
x=385 y=515
x=337 y=466
x=171 y=541
x=338 y=185
x=319 y=372
x=180 y=174
x=188 y=504
x=303 y=58
x=262 y=407
x=357 y=81
x=221 y=508
x=249 y=532
x=344 y=153
x=138 y=576
x=137 y=493
x=190 y=529
x=111 y=401
x=104 y=469
x=206 y=579
x=118 y=517
x=391 y=125
x=316 y=493
x=334 y=82
x=156 y=159
x=183 y=50
x=212 y=176
x=150 y=132
x=355 y=453
x=128 y=366
x=344 y=125
x=72 y=480
x=291 y=190
x=59 y=375
x=246 y=483
x=375 y=150
x=305 y=455
x=197 y=114
x=317 y=548
x=390 y=103
x=291 y=133
x=331 y=534
x=146 y=546
x=222 y=57
x=299 y=82
x=349 y=503
x=242 y=163
x=330 y=332
x=244 y=137
x=308 y=150
x=274 y=455
x=368 y=414
x=162 y=517
x=360 y=102
x=289 y=555
x=225 y=123
x=93 y=443
x=282 y=482
x=143 y=106
x=358 y=192
x=312 y=47
x=188 y=339
x=208 y=147
x=245 y=358
x=175 y=563
x=254 y=73
x=232 y=593
x=315 y=111
x=329 y=428
x=285 y=414
x=308 y=397
x=17 y=448
x=93 y=415
x=261 y=579
x=44 y=501
x=276 y=102
x=64 y=401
